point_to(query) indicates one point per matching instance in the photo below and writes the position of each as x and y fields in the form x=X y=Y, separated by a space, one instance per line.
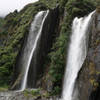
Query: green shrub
x=33 y=93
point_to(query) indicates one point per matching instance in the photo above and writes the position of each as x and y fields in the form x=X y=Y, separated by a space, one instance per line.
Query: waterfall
x=30 y=46
x=76 y=55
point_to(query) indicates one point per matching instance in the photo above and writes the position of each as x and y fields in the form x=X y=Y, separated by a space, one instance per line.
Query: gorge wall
x=50 y=56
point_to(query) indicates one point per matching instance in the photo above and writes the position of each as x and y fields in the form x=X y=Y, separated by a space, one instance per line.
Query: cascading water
x=30 y=46
x=76 y=55
x=36 y=29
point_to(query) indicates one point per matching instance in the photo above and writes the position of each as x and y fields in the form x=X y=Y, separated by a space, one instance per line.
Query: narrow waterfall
x=31 y=44
x=76 y=55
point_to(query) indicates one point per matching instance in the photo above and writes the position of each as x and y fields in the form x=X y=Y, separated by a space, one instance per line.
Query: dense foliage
x=16 y=26
x=1 y=24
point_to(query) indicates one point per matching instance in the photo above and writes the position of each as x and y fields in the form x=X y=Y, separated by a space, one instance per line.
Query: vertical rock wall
x=44 y=45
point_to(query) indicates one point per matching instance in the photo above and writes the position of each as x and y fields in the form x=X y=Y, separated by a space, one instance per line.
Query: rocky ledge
x=26 y=95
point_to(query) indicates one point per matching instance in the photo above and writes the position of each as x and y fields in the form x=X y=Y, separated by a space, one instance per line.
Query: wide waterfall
x=30 y=46
x=76 y=55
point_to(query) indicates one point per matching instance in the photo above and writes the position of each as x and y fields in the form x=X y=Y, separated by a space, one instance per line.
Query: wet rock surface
x=12 y=95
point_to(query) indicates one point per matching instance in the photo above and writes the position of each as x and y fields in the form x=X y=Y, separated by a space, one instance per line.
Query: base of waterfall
x=29 y=94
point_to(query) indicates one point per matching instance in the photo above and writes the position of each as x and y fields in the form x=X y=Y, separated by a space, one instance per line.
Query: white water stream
x=34 y=34
x=76 y=55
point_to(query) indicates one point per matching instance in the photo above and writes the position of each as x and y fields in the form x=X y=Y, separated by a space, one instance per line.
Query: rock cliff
x=89 y=76
x=52 y=51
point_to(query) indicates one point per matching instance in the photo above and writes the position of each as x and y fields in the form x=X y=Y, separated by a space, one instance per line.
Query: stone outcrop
x=23 y=96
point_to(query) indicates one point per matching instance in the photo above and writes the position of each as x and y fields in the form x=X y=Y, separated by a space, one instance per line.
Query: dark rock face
x=89 y=76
